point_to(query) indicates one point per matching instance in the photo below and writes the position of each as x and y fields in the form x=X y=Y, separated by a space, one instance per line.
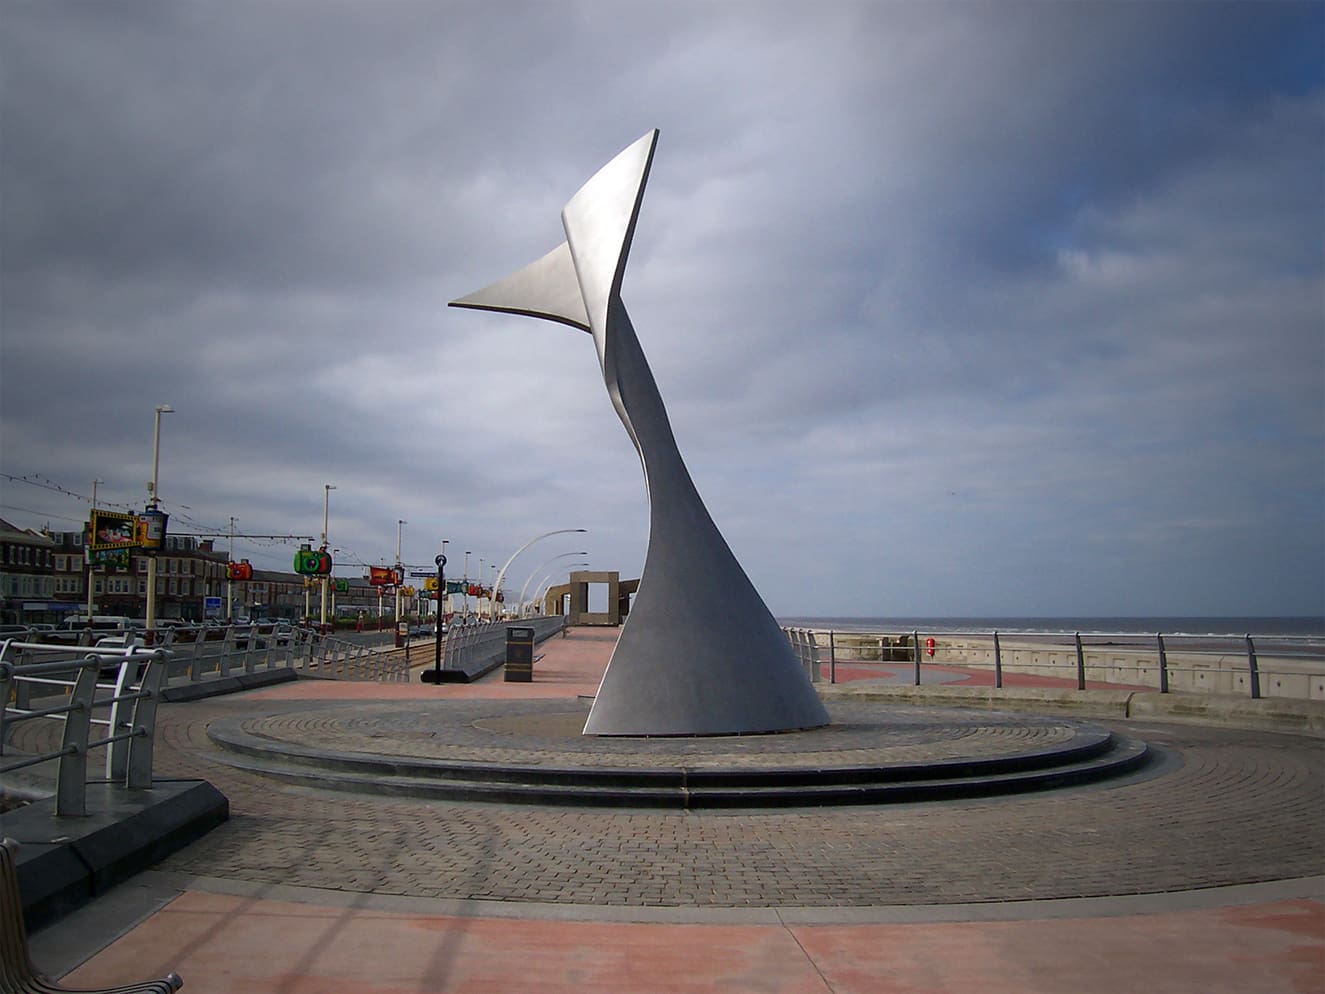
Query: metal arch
x=700 y=653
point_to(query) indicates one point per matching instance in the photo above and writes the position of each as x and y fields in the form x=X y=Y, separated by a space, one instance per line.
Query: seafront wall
x=1138 y=665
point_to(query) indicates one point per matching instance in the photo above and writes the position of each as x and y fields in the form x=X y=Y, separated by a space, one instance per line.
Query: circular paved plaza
x=1218 y=807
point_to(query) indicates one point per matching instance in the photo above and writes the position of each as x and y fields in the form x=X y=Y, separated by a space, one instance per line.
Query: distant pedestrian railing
x=471 y=647
x=200 y=654
x=339 y=659
x=105 y=698
x=1251 y=665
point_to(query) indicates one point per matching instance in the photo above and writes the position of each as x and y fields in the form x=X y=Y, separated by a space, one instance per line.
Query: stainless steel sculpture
x=699 y=654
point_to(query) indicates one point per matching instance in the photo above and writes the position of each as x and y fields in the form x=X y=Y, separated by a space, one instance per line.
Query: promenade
x=1205 y=873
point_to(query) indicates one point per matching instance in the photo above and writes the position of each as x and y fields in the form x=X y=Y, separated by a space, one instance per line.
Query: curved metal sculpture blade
x=700 y=653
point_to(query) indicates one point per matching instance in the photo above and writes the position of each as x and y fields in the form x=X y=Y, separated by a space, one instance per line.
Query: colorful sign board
x=150 y=529
x=383 y=576
x=108 y=558
x=312 y=562
x=111 y=530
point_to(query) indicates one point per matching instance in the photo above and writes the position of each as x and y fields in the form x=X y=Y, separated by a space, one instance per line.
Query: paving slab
x=1208 y=875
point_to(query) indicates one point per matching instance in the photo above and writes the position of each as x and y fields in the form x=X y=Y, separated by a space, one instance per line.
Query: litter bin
x=519 y=655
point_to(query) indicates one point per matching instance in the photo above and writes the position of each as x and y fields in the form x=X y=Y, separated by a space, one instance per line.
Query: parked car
x=126 y=640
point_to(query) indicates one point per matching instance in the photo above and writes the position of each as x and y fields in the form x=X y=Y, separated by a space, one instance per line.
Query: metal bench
x=17 y=974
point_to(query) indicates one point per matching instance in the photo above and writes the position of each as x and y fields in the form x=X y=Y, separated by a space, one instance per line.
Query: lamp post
x=441 y=593
x=464 y=582
x=153 y=502
x=326 y=513
x=229 y=583
x=435 y=676
x=502 y=574
x=399 y=575
x=525 y=588
x=88 y=555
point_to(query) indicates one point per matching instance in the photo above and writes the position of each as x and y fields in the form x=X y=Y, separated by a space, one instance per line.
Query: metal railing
x=202 y=653
x=1254 y=666
x=127 y=731
x=339 y=659
x=468 y=646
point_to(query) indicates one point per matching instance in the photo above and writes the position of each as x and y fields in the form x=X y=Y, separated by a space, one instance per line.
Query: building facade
x=44 y=578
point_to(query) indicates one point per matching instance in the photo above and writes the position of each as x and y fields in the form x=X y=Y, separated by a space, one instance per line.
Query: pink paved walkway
x=223 y=944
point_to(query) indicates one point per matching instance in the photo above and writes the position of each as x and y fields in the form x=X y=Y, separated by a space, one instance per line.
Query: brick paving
x=310 y=892
x=1226 y=807
x=547 y=733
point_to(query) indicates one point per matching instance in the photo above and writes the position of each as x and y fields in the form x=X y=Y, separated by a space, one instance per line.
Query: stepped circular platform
x=534 y=752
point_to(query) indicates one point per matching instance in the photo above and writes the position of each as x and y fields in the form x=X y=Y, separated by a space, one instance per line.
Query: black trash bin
x=519 y=655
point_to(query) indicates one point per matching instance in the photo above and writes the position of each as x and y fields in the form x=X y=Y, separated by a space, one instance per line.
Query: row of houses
x=44 y=577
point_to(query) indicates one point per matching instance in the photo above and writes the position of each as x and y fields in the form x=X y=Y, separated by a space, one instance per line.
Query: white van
x=100 y=623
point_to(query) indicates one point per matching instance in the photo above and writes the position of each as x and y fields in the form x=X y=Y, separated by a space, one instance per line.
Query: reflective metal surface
x=700 y=653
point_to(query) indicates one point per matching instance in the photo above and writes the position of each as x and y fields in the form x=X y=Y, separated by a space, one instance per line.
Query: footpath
x=1207 y=876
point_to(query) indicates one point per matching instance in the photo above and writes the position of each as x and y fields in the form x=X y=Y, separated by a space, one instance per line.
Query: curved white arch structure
x=700 y=653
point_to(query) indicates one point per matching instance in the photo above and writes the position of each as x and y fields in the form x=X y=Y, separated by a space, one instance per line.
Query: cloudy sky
x=958 y=308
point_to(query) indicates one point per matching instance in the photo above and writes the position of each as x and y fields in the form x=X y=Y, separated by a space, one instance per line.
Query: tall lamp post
x=153 y=504
x=326 y=513
x=229 y=583
x=502 y=574
x=88 y=556
x=435 y=675
x=399 y=575
x=463 y=583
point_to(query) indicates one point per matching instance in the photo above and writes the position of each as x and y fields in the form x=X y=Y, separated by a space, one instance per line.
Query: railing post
x=8 y=682
x=915 y=653
x=832 y=657
x=1163 y=664
x=71 y=777
x=998 y=662
x=815 y=675
x=195 y=660
x=1081 y=664
x=1253 y=669
x=227 y=646
x=117 y=753
x=143 y=723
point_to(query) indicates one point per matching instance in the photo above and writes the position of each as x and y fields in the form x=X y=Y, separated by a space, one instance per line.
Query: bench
x=17 y=975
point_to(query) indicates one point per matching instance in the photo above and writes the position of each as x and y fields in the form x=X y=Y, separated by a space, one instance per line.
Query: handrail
x=139 y=675
x=1261 y=665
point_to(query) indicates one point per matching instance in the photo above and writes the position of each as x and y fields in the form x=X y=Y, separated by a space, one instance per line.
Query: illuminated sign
x=111 y=530
x=312 y=562
x=383 y=576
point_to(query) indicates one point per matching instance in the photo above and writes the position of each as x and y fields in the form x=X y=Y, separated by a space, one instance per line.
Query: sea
x=1309 y=626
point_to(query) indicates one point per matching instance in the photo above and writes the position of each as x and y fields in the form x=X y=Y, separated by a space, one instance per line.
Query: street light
x=525 y=588
x=399 y=576
x=441 y=591
x=326 y=512
x=153 y=502
x=88 y=556
x=464 y=583
x=502 y=575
